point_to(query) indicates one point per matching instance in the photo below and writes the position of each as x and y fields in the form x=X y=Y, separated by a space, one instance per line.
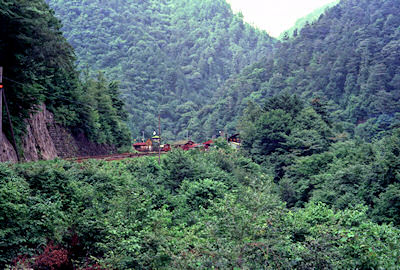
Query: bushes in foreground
x=225 y=212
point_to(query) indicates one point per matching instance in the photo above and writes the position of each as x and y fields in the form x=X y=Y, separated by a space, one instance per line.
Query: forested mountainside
x=300 y=193
x=170 y=56
x=308 y=19
x=348 y=59
x=39 y=67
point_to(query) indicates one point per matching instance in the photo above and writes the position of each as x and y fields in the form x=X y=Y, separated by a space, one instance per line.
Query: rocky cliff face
x=37 y=143
x=46 y=140
x=7 y=152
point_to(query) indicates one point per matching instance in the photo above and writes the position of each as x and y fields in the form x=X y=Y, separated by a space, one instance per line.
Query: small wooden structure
x=234 y=141
x=184 y=144
x=180 y=144
x=141 y=147
x=149 y=145
x=234 y=138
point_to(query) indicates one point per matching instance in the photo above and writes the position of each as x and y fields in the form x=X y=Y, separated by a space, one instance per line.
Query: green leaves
x=339 y=58
x=165 y=54
x=103 y=113
x=177 y=167
x=282 y=130
x=346 y=238
x=39 y=67
x=349 y=173
x=226 y=213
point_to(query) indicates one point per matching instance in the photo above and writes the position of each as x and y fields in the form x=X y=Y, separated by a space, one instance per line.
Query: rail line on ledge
x=113 y=156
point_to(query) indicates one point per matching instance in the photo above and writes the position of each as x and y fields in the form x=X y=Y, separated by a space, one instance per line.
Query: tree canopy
x=314 y=185
x=39 y=67
x=170 y=56
x=348 y=58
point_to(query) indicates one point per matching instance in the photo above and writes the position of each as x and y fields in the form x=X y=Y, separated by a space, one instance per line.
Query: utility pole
x=159 y=134
x=3 y=95
x=11 y=127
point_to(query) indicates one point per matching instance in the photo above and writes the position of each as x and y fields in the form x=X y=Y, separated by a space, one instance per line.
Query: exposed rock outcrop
x=63 y=141
x=68 y=145
x=37 y=143
x=7 y=152
x=46 y=140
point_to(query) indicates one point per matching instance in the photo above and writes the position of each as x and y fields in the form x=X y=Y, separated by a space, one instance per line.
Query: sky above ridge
x=275 y=16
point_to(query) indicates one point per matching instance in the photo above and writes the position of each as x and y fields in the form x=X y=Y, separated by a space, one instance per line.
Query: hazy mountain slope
x=349 y=57
x=310 y=18
x=170 y=55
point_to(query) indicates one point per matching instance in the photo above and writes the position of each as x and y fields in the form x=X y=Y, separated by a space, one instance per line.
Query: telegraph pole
x=11 y=127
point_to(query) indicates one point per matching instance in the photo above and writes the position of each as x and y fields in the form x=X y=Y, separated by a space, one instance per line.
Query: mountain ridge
x=170 y=56
x=309 y=18
x=348 y=59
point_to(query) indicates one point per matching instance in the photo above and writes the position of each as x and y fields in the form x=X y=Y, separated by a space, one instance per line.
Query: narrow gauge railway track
x=114 y=156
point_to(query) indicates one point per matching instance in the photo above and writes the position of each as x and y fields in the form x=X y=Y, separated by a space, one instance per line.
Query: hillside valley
x=311 y=181
x=348 y=59
x=196 y=76
x=169 y=56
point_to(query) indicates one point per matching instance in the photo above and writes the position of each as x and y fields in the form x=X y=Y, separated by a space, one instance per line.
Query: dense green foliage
x=175 y=56
x=39 y=68
x=284 y=129
x=194 y=211
x=349 y=59
x=315 y=184
x=170 y=56
x=312 y=162
x=310 y=18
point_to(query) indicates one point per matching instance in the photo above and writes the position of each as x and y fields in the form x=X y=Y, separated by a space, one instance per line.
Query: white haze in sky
x=275 y=16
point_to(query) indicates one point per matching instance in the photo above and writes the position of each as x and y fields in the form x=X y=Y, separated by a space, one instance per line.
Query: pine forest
x=172 y=134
